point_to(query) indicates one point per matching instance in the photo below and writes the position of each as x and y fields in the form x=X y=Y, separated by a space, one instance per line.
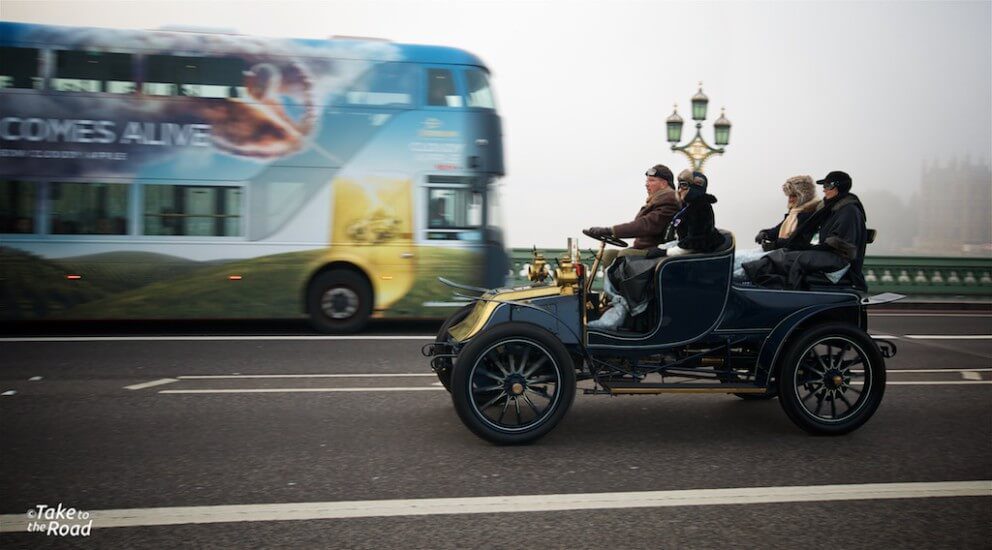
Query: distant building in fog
x=954 y=209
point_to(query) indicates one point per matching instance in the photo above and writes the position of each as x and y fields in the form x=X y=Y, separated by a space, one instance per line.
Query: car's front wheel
x=832 y=379
x=512 y=384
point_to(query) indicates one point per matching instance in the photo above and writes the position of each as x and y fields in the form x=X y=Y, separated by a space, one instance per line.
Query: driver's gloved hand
x=656 y=253
x=761 y=237
x=601 y=232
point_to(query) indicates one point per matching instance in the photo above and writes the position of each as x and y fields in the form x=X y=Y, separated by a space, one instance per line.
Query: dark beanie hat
x=661 y=171
x=841 y=179
x=701 y=180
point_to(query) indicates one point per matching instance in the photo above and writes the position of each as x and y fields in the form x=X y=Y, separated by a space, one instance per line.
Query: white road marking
x=936 y=382
x=879 y=314
x=971 y=375
x=297 y=511
x=362 y=338
x=153 y=383
x=260 y=338
x=431 y=375
x=949 y=336
x=34 y=379
x=238 y=376
x=9 y=392
x=937 y=370
x=304 y=390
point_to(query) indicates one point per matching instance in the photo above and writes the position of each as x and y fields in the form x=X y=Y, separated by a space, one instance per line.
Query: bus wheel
x=339 y=301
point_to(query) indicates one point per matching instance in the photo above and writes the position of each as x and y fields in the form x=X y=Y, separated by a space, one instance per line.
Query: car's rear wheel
x=442 y=365
x=512 y=384
x=832 y=379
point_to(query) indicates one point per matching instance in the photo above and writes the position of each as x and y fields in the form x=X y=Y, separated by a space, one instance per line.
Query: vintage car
x=513 y=358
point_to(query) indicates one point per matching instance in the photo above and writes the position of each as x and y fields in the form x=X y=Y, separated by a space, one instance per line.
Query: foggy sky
x=874 y=89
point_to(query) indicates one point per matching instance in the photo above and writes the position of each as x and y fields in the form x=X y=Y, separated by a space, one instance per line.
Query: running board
x=619 y=388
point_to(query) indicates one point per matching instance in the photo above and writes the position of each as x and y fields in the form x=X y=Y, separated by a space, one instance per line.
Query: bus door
x=451 y=234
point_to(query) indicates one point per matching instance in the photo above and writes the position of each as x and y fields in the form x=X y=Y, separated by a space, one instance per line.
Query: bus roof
x=130 y=39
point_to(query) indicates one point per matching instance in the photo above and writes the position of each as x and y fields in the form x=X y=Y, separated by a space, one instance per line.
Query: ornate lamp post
x=697 y=149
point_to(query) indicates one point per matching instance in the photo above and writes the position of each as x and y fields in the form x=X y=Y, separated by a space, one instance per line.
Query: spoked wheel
x=443 y=364
x=832 y=380
x=513 y=384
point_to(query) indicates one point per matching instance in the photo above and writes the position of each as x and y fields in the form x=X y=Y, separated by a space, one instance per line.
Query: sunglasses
x=830 y=185
x=683 y=185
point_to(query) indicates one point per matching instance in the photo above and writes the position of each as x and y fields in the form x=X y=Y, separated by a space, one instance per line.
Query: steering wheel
x=608 y=240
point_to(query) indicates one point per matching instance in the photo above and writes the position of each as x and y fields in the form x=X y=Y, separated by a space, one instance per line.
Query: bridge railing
x=910 y=275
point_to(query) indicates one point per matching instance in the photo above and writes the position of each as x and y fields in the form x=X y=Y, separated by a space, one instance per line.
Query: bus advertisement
x=182 y=175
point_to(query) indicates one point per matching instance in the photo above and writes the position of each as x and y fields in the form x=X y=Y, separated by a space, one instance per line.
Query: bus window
x=453 y=213
x=216 y=77
x=89 y=208
x=479 y=93
x=80 y=71
x=17 y=207
x=385 y=84
x=19 y=68
x=193 y=210
x=441 y=89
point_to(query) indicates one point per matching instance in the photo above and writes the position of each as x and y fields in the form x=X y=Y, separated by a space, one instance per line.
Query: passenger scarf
x=791 y=220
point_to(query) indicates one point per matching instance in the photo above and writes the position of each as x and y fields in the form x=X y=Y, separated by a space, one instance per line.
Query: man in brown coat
x=648 y=227
x=648 y=230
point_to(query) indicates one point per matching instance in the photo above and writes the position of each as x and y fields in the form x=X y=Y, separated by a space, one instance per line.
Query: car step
x=618 y=388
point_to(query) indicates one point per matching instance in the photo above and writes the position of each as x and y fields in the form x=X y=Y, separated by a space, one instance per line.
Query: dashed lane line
x=949 y=336
x=302 y=511
x=936 y=382
x=947 y=314
x=151 y=384
x=939 y=370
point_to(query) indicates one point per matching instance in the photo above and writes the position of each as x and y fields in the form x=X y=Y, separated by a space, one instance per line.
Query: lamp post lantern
x=697 y=150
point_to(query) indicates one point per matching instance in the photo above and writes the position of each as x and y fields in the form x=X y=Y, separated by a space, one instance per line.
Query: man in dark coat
x=843 y=236
x=694 y=226
x=648 y=226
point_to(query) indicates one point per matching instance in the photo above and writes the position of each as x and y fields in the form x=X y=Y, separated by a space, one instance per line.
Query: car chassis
x=512 y=357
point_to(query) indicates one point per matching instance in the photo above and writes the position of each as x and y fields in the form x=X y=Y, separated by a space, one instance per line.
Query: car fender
x=558 y=314
x=779 y=336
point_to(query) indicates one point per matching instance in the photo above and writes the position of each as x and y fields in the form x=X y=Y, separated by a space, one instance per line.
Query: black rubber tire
x=538 y=338
x=349 y=281
x=444 y=364
x=792 y=360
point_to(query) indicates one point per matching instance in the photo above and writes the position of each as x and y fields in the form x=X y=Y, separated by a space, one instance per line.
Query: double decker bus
x=176 y=174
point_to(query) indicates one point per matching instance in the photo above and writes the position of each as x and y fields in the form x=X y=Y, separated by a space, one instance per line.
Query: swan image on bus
x=177 y=174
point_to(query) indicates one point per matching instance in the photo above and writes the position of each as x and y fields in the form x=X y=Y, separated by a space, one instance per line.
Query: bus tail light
x=73 y=277
x=234 y=277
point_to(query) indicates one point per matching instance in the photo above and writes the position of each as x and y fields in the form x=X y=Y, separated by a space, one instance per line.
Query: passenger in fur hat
x=800 y=193
x=802 y=198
